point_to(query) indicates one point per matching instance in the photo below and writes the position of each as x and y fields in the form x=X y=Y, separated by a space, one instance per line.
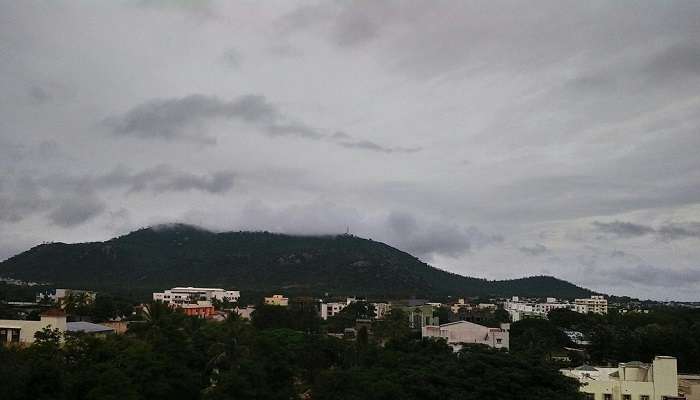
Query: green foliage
x=430 y=370
x=347 y=317
x=537 y=337
x=670 y=331
x=276 y=317
x=154 y=258
x=171 y=356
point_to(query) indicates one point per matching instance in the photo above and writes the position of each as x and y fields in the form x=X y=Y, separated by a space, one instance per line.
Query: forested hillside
x=160 y=257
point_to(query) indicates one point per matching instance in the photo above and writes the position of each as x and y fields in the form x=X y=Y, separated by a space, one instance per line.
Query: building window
x=589 y=396
x=607 y=396
x=643 y=397
x=499 y=341
x=626 y=397
x=3 y=335
x=15 y=336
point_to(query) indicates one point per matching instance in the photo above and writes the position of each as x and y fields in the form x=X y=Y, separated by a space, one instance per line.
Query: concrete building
x=181 y=295
x=689 y=386
x=22 y=332
x=277 y=300
x=59 y=296
x=201 y=309
x=419 y=315
x=381 y=310
x=462 y=332
x=331 y=309
x=522 y=308
x=629 y=381
x=245 y=313
x=594 y=304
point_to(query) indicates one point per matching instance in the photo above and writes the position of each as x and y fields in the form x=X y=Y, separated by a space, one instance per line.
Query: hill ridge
x=166 y=255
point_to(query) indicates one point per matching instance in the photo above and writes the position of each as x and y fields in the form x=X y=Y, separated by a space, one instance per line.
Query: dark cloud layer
x=187 y=118
x=649 y=275
x=671 y=231
x=579 y=121
x=535 y=250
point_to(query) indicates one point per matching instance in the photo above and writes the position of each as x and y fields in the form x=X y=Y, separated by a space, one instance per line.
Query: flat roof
x=88 y=327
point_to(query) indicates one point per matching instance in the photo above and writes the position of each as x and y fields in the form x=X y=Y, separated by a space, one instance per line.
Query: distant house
x=64 y=296
x=277 y=300
x=419 y=315
x=331 y=309
x=22 y=332
x=201 y=309
x=463 y=332
x=189 y=294
x=629 y=381
x=245 y=313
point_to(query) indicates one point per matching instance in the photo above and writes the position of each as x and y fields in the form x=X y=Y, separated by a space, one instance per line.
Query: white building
x=381 y=310
x=595 y=304
x=629 y=381
x=181 y=295
x=328 y=310
x=331 y=309
x=22 y=332
x=59 y=296
x=463 y=332
x=520 y=309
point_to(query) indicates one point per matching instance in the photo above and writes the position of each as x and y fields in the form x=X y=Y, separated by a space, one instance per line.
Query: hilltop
x=163 y=256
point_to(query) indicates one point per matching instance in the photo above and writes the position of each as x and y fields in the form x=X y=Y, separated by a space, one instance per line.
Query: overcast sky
x=494 y=139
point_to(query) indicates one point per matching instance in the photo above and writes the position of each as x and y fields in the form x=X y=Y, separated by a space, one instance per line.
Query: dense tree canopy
x=168 y=355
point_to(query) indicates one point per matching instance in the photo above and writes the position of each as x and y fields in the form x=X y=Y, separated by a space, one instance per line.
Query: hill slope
x=161 y=257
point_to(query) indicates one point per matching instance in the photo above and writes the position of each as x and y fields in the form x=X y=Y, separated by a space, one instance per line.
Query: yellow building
x=594 y=304
x=629 y=381
x=689 y=386
x=22 y=331
x=277 y=300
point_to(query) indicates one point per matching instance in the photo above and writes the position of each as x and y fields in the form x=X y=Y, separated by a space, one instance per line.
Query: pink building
x=463 y=332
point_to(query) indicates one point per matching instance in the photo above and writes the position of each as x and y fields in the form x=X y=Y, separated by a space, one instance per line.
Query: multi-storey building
x=184 y=295
x=460 y=333
x=594 y=304
x=331 y=309
x=629 y=381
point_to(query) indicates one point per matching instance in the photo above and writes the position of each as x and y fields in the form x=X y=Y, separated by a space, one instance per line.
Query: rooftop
x=87 y=327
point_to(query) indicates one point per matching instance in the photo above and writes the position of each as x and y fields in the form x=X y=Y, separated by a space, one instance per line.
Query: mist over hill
x=169 y=255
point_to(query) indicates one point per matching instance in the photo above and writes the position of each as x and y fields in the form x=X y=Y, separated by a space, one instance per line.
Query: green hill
x=161 y=257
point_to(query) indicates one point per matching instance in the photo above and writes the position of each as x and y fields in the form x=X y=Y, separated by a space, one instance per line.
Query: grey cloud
x=649 y=275
x=624 y=229
x=679 y=230
x=535 y=250
x=159 y=179
x=232 y=58
x=24 y=196
x=428 y=238
x=368 y=145
x=669 y=231
x=187 y=117
x=39 y=95
x=75 y=211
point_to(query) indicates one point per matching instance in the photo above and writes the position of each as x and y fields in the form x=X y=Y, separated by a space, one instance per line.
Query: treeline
x=617 y=337
x=171 y=356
